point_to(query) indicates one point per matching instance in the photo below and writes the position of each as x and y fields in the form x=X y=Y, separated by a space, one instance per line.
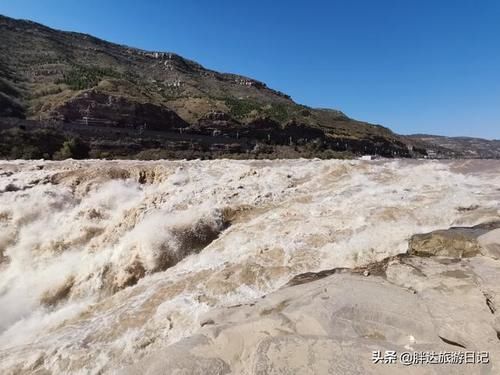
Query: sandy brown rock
x=333 y=321
x=490 y=243
x=454 y=242
x=277 y=224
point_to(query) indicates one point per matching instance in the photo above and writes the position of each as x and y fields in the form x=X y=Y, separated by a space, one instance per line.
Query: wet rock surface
x=454 y=242
x=244 y=267
x=331 y=322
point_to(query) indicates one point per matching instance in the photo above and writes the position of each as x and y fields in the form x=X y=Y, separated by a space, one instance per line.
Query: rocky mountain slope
x=461 y=147
x=78 y=83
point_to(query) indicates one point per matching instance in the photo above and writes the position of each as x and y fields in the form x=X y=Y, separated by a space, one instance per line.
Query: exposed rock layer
x=332 y=322
x=101 y=91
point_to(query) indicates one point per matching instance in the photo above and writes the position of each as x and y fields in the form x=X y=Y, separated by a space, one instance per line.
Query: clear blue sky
x=416 y=66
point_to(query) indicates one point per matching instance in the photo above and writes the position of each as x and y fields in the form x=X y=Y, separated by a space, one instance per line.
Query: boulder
x=338 y=321
x=456 y=242
x=490 y=243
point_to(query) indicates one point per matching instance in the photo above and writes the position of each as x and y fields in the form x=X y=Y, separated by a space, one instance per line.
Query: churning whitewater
x=104 y=262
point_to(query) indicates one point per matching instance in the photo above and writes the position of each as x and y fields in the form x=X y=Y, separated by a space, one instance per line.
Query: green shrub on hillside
x=278 y=112
x=82 y=77
x=239 y=108
x=17 y=143
x=73 y=148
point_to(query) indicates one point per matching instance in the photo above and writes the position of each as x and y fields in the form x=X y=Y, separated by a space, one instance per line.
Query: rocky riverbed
x=248 y=267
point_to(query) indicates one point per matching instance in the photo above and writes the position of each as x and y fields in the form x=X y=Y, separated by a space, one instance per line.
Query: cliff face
x=53 y=76
x=94 y=107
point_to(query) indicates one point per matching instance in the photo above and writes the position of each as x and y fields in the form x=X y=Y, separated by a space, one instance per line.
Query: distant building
x=431 y=154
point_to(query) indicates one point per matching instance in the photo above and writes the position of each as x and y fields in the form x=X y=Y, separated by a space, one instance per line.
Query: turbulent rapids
x=103 y=263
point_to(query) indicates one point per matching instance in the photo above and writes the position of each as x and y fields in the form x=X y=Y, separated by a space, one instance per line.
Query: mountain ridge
x=123 y=101
x=459 y=147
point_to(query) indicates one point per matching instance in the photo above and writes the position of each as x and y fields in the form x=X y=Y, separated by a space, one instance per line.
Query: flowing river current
x=103 y=262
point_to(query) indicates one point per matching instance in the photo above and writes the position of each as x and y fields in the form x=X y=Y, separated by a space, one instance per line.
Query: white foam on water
x=98 y=271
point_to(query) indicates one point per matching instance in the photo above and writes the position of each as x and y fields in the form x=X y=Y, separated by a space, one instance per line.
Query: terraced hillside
x=56 y=77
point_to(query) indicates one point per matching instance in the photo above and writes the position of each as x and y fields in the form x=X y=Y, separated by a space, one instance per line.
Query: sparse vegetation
x=305 y=112
x=49 y=90
x=73 y=148
x=17 y=143
x=8 y=89
x=43 y=77
x=239 y=108
x=85 y=77
x=278 y=112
